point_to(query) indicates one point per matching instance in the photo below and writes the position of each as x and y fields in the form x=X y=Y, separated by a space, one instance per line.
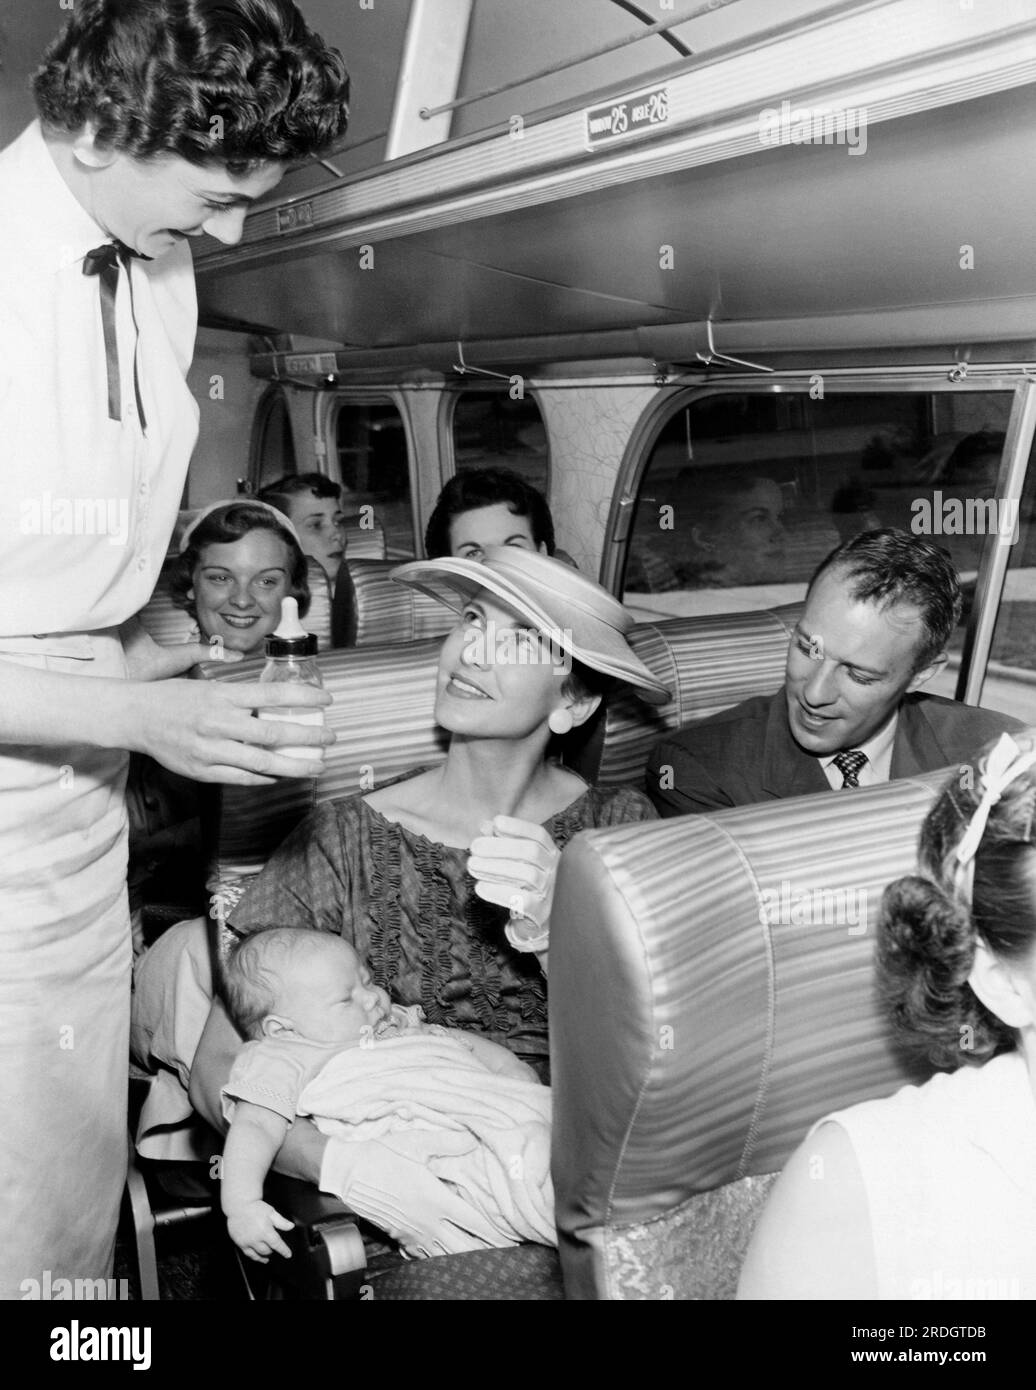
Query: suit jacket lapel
x=787 y=769
x=916 y=748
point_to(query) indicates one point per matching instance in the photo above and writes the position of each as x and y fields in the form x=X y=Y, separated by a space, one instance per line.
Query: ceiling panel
x=794 y=231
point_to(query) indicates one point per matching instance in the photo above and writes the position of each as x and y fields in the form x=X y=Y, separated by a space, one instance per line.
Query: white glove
x=515 y=865
x=403 y=1198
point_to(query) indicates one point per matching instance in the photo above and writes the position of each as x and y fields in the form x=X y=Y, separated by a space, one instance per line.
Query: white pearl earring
x=560 y=722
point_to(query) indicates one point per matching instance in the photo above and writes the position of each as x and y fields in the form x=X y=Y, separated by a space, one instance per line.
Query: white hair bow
x=1003 y=765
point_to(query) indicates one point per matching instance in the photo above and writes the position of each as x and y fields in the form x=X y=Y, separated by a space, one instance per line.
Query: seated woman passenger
x=313 y=503
x=482 y=507
x=237 y=561
x=737 y=534
x=931 y=1194
x=443 y=880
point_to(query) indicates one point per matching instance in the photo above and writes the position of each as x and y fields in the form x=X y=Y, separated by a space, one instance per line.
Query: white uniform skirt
x=64 y=991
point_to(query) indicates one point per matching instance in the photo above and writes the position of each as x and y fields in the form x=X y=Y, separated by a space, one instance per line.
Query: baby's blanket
x=430 y=1100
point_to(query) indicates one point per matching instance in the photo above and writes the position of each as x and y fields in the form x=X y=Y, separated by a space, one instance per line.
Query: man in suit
x=879 y=612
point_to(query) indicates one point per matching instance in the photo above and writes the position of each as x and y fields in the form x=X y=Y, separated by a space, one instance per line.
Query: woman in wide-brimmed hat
x=443 y=879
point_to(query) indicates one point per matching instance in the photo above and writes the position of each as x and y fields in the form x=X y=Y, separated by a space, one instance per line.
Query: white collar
x=56 y=229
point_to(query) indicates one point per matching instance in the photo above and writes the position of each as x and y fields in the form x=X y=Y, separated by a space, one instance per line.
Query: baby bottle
x=290 y=650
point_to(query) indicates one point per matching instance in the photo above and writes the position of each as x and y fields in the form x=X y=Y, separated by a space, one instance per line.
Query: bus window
x=374 y=468
x=490 y=430
x=1010 y=682
x=744 y=494
x=273 y=447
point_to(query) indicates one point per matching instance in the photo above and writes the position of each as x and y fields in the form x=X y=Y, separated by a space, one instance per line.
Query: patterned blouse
x=409 y=907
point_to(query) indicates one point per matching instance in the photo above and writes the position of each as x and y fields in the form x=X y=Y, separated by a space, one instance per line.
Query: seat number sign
x=627 y=116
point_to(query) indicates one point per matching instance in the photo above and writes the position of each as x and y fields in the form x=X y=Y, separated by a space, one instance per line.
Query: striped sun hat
x=573 y=612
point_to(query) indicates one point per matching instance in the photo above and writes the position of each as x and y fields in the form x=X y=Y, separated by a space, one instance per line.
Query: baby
x=305 y=998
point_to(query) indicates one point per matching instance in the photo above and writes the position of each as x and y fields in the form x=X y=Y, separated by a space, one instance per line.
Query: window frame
x=273 y=398
x=1018 y=442
x=451 y=394
x=328 y=405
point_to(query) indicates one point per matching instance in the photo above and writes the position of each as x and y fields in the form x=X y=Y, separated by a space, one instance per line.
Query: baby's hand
x=253 y=1228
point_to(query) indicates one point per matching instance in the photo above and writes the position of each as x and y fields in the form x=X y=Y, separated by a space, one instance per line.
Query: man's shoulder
x=950 y=718
x=740 y=722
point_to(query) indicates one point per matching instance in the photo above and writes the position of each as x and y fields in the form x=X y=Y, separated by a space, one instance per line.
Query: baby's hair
x=929 y=929
x=254 y=970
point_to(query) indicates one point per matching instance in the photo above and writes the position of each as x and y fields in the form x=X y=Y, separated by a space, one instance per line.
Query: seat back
x=371 y=609
x=711 y=997
x=382 y=716
x=162 y=620
x=169 y=625
x=363 y=541
x=709 y=663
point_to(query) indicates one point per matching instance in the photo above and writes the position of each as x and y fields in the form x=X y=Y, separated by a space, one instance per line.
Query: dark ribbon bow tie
x=108 y=256
x=104 y=262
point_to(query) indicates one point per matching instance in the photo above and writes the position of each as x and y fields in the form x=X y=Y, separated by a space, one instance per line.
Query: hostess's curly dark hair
x=929 y=925
x=234 y=82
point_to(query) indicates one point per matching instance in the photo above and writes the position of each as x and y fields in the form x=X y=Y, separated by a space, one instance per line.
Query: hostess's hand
x=206 y=729
x=515 y=864
x=146 y=660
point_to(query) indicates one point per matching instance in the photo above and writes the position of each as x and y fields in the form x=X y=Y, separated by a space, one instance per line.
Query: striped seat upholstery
x=363 y=542
x=711 y=996
x=382 y=717
x=382 y=610
x=168 y=625
x=710 y=663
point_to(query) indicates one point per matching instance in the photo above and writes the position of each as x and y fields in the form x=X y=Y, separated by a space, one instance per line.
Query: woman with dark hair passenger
x=482 y=507
x=159 y=120
x=931 y=1194
x=313 y=502
x=442 y=880
x=237 y=561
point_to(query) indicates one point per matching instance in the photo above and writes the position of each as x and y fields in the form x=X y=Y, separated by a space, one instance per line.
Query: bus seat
x=169 y=625
x=371 y=609
x=711 y=997
x=382 y=716
x=162 y=620
x=710 y=663
x=363 y=542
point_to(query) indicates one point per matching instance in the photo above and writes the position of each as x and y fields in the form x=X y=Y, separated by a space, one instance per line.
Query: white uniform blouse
x=87 y=504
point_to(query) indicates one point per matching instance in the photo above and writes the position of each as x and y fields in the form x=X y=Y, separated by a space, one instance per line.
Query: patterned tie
x=849 y=765
x=104 y=261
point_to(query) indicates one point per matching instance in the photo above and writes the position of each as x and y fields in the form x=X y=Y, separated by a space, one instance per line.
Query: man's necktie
x=104 y=261
x=849 y=765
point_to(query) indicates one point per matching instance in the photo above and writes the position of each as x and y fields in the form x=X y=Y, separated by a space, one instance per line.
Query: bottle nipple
x=289 y=626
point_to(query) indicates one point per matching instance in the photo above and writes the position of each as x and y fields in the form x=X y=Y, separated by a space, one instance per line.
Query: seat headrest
x=711 y=994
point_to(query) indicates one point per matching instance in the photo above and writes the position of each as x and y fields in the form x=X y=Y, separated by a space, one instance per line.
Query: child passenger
x=327 y=1042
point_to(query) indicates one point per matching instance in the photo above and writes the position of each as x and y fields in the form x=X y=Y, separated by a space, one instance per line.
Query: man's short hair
x=485 y=487
x=281 y=493
x=891 y=566
x=231 y=82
